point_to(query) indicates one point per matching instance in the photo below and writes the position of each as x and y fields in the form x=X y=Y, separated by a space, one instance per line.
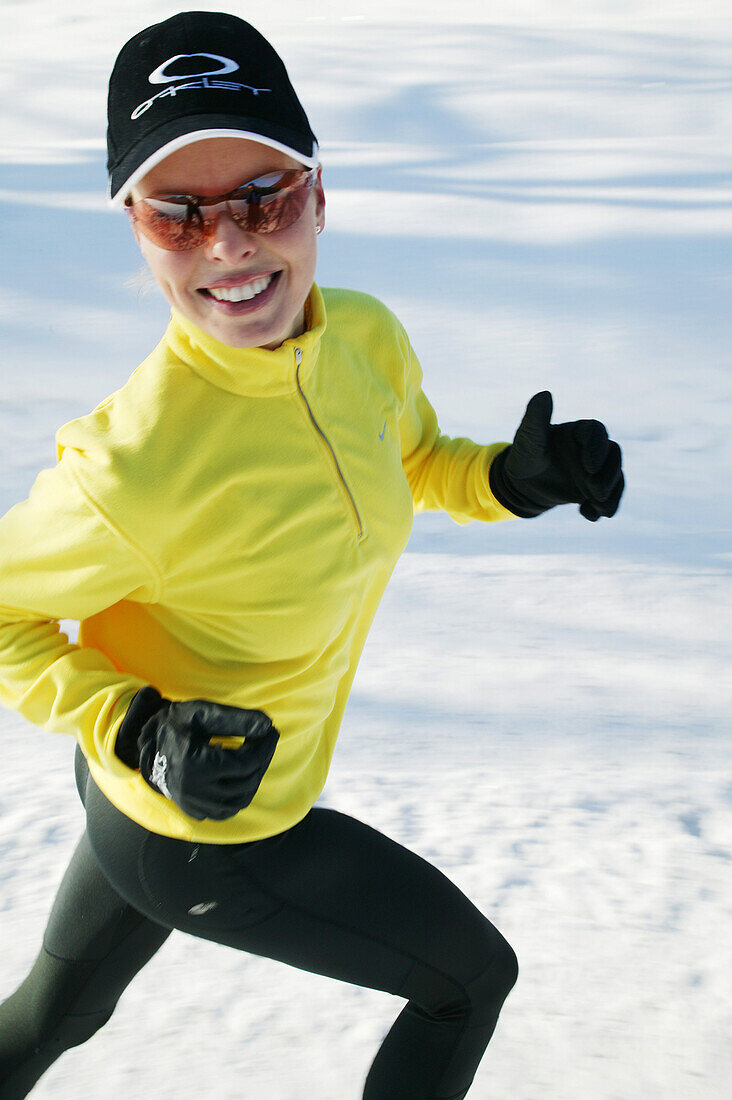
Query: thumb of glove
x=529 y=453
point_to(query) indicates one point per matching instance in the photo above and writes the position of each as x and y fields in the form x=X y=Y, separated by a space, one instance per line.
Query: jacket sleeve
x=61 y=557
x=444 y=474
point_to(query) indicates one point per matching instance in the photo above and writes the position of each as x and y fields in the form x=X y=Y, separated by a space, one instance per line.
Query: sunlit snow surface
x=543 y=195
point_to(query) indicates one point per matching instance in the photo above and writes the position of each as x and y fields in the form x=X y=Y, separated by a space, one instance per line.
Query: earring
x=318 y=229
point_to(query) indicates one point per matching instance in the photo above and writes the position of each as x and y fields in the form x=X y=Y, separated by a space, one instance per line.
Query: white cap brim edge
x=164 y=151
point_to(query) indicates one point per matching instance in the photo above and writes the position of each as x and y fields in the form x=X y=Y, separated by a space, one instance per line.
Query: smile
x=234 y=301
x=241 y=293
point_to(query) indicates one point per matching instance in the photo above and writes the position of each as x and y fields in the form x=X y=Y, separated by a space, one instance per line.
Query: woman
x=223 y=528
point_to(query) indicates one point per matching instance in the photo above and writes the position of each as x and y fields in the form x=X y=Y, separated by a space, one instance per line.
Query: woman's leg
x=93 y=946
x=335 y=897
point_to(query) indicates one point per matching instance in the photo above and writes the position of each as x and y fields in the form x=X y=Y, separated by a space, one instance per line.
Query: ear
x=133 y=223
x=319 y=199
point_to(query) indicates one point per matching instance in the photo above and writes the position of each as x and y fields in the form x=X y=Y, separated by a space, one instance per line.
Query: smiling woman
x=223 y=528
x=201 y=253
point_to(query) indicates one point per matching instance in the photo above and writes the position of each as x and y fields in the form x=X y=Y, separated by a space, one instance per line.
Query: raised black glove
x=170 y=744
x=550 y=464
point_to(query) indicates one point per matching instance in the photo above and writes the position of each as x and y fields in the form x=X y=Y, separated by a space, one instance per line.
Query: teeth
x=241 y=293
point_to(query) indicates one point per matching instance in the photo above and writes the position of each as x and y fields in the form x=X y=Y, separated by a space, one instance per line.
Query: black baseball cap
x=199 y=74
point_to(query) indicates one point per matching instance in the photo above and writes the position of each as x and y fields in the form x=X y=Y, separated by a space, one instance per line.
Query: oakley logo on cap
x=194 y=81
x=160 y=76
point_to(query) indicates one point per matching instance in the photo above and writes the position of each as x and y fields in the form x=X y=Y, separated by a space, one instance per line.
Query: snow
x=542 y=193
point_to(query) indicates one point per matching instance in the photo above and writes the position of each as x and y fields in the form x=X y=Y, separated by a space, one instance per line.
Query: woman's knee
x=506 y=968
x=491 y=986
x=503 y=969
x=474 y=988
x=43 y=1018
x=57 y=991
x=492 y=980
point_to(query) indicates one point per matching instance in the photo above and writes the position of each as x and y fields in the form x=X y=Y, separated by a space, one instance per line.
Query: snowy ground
x=542 y=708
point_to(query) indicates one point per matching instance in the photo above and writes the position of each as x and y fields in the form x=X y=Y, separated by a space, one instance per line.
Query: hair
x=143 y=281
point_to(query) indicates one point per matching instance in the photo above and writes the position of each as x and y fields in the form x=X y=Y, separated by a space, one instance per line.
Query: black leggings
x=330 y=895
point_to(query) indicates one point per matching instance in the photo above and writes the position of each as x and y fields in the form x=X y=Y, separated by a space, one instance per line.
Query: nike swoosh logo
x=383 y=430
x=202 y=907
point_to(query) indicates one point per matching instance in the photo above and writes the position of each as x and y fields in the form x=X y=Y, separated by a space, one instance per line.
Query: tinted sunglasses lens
x=170 y=225
x=265 y=209
x=262 y=206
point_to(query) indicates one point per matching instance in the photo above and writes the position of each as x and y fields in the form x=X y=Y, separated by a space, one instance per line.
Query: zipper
x=324 y=437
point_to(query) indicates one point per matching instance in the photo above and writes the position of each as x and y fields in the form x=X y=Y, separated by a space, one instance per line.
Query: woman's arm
x=444 y=474
x=546 y=465
x=62 y=558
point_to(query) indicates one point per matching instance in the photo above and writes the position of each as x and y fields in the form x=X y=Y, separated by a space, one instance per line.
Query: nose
x=228 y=242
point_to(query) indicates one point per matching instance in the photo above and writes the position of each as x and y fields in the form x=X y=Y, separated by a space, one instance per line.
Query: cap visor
x=125 y=176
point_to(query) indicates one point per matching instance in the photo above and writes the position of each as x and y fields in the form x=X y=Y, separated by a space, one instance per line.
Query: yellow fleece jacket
x=223 y=527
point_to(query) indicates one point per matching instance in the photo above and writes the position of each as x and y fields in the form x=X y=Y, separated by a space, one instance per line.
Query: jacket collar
x=250 y=372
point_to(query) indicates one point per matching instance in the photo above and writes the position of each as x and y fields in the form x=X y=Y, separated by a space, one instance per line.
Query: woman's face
x=234 y=257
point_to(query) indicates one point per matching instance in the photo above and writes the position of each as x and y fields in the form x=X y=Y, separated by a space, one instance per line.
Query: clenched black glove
x=170 y=744
x=549 y=464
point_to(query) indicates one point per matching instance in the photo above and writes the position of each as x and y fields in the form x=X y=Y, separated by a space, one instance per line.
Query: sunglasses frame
x=203 y=215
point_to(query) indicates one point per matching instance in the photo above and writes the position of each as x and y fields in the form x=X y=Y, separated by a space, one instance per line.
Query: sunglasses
x=179 y=223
